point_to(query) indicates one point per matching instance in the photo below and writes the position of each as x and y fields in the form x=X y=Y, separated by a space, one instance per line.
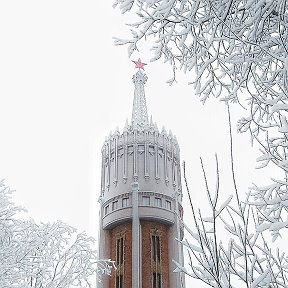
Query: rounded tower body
x=141 y=202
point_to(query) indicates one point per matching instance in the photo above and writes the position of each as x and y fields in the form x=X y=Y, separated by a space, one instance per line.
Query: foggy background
x=64 y=86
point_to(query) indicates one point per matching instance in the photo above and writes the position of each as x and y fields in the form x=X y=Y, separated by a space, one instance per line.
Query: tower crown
x=143 y=154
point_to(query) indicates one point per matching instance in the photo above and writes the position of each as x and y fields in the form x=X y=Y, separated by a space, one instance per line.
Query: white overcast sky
x=64 y=86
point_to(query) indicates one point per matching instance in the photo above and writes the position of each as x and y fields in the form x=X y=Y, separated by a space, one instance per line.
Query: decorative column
x=135 y=237
x=179 y=245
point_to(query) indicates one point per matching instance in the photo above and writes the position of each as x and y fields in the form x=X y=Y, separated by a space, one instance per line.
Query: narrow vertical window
x=168 y=205
x=156 y=281
x=119 y=281
x=158 y=202
x=156 y=248
x=120 y=251
x=106 y=209
x=114 y=205
x=124 y=202
x=146 y=200
x=159 y=280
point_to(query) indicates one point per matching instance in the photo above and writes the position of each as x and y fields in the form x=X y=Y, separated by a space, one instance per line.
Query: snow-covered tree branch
x=44 y=255
x=230 y=44
x=236 y=50
x=244 y=259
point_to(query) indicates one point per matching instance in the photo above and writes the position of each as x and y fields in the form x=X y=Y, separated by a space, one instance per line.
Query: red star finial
x=139 y=64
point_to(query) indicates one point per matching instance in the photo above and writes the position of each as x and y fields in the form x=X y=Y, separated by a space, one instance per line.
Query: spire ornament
x=139 y=113
x=139 y=64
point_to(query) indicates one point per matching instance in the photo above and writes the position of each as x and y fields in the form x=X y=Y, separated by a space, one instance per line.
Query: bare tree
x=236 y=50
x=44 y=255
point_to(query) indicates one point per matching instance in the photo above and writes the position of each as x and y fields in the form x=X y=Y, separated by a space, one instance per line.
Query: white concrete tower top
x=139 y=113
x=141 y=153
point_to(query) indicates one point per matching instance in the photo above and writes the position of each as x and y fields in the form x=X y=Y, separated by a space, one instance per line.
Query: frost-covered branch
x=236 y=50
x=245 y=259
x=229 y=44
x=44 y=255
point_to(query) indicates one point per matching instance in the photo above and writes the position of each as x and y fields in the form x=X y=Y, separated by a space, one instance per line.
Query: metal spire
x=139 y=113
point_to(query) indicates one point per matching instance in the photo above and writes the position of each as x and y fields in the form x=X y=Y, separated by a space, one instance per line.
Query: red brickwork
x=124 y=230
x=148 y=229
